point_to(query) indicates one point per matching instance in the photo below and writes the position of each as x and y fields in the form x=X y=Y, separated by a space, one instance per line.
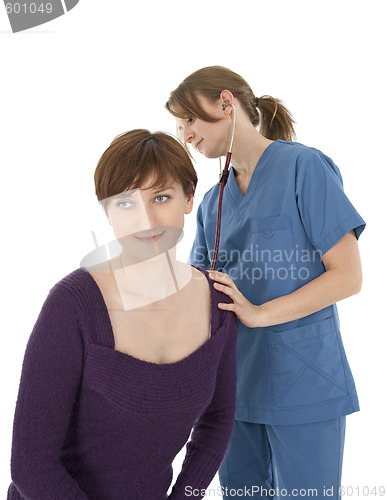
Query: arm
x=332 y=226
x=50 y=378
x=342 y=279
x=212 y=430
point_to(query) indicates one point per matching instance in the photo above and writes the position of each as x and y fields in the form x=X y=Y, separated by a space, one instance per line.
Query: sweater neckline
x=108 y=334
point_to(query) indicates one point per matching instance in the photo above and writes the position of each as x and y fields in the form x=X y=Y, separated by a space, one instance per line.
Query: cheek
x=120 y=227
x=175 y=215
x=215 y=140
x=128 y=223
x=175 y=218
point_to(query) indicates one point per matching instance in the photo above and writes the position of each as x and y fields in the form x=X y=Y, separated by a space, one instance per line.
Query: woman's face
x=212 y=139
x=149 y=221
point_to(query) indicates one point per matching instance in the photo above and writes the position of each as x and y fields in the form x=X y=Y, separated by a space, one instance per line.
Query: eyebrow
x=164 y=189
x=123 y=194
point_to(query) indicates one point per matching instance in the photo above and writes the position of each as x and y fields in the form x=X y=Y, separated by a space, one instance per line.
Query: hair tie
x=256 y=102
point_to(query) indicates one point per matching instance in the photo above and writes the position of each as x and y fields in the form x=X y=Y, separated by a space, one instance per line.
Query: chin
x=210 y=155
x=213 y=154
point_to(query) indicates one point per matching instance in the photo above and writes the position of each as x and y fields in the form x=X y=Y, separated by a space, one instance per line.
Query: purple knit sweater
x=94 y=423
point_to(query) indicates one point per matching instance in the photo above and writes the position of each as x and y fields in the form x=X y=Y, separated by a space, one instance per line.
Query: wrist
x=263 y=317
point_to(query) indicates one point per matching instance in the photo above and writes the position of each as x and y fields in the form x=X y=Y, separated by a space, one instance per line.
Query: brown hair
x=136 y=155
x=274 y=120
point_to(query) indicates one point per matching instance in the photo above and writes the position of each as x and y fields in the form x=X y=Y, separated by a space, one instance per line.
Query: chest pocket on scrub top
x=273 y=246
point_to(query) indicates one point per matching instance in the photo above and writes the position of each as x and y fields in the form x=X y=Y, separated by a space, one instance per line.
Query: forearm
x=330 y=287
x=205 y=452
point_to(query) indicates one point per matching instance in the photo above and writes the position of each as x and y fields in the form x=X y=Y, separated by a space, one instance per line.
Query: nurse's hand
x=249 y=314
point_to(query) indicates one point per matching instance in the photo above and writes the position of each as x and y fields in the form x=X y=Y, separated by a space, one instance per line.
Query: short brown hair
x=272 y=117
x=136 y=155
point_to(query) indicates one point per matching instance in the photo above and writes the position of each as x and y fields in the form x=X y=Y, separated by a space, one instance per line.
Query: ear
x=189 y=204
x=227 y=98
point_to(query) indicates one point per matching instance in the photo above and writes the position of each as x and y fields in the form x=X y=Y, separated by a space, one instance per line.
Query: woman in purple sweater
x=129 y=355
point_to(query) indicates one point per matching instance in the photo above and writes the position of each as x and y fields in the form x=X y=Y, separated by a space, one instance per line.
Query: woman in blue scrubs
x=288 y=252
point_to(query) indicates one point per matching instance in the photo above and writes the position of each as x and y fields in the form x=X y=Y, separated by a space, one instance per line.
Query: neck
x=151 y=281
x=249 y=145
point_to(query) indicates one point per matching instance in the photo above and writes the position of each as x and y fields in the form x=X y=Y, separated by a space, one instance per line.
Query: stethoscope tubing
x=222 y=184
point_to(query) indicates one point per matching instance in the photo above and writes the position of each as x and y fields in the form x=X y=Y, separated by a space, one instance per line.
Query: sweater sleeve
x=51 y=374
x=212 y=431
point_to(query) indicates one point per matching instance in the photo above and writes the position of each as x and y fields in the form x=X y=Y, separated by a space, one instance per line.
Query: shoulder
x=219 y=316
x=75 y=283
x=201 y=283
x=287 y=152
x=300 y=152
x=70 y=311
x=292 y=159
x=311 y=162
x=201 y=273
x=313 y=155
x=69 y=293
x=210 y=197
x=61 y=316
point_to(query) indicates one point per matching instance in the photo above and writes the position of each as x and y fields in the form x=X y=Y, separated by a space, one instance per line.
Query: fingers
x=244 y=310
x=226 y=290
x=215 y=275
x=225 y=284
x=222 y=278
x=226 y=307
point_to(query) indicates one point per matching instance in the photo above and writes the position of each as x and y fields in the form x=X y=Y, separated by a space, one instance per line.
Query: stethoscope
x=222 y=183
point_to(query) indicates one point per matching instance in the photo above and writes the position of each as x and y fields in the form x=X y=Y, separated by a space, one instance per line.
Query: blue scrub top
x=271 y=243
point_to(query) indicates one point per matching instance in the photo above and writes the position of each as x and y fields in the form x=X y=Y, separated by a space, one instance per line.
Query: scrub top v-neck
x=240 y=200
x=271 y=243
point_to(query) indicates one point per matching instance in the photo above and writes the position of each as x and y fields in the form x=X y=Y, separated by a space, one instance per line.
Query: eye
x=125 y=204
x=162 y=198
x=190 y=120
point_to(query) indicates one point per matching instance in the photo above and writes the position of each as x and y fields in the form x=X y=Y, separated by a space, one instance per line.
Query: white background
x=69 y=87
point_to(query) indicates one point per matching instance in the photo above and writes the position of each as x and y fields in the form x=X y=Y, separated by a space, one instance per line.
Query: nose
x=148 y=217
x=144 y=220
x=188 y=134
x=139 y=218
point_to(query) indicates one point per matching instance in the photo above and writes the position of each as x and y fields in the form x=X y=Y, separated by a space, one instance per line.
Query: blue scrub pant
x=284 y=461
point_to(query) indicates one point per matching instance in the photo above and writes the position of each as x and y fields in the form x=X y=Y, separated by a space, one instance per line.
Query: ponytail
x=274 y=119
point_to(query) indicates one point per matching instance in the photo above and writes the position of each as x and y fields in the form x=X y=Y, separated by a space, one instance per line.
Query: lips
x=198 y=144
x=150 y=238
